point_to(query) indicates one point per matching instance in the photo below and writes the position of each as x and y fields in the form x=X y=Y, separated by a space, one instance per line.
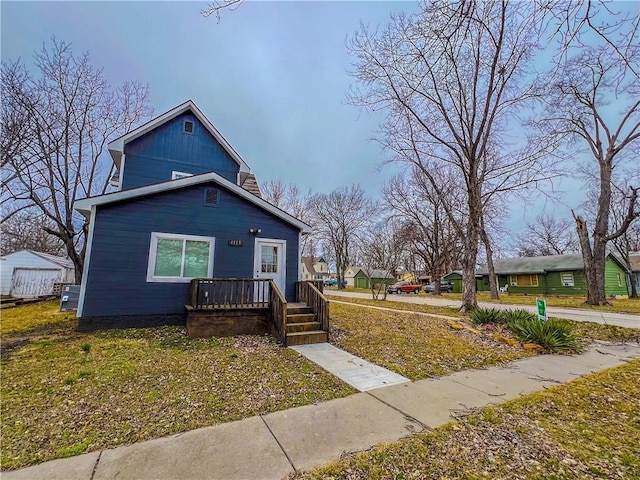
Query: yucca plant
x=483 y=316
x=517 y=314
x=553 y=335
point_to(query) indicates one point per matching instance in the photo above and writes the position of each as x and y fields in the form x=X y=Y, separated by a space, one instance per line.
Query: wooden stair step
x=300 y=317
x=299 y=310
x=306 y=338
x=303 y=327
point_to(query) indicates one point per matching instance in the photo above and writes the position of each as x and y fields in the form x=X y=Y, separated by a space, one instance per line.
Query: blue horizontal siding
x=116 y=282
x=152 y=157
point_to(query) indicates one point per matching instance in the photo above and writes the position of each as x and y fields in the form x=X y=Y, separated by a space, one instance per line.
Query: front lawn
x=584 y=429
x=416 y=346
x=65 y=393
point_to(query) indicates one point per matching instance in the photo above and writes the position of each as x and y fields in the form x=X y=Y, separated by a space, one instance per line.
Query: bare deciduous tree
x=339 y=217
x=288 y=197
x=629 y=241
x=579 y=108
x=382 y=247
x=451 y=80
x=217 y=6
x=56 y=126
x=26 y=231
x=547 y=235
x=580 y=23
x=426 y=225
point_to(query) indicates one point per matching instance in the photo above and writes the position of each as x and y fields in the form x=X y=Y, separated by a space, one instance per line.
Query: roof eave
x=84 y=206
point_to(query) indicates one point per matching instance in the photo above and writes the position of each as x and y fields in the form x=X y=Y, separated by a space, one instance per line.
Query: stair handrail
x=309 y=293
x=278 y=312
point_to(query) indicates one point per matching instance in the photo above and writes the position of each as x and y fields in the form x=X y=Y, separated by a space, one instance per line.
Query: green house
x=455 y=278
x=365 y=278
x=552 y=275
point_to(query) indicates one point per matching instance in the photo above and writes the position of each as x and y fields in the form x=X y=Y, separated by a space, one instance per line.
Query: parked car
x=403 y=287
x=445 y=287
x=333 y=282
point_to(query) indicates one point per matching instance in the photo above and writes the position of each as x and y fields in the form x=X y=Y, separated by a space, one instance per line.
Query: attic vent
x=188 y=126
x=211 y=197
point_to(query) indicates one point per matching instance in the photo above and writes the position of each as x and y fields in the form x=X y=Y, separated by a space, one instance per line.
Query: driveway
x=580 y=315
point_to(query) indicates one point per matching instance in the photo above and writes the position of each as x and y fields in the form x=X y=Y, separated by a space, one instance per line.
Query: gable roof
x=116 y=147
x=85 y=205
x=60 y=261
x=310 y=262
x=541 y=265
x=354 y=268
x=377 y=273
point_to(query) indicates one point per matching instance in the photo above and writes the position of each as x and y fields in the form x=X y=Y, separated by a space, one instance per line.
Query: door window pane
x=269 y=259
x=196 y=259
x=168 y=258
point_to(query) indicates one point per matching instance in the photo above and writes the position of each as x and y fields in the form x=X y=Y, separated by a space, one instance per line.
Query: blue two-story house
x=187 y=207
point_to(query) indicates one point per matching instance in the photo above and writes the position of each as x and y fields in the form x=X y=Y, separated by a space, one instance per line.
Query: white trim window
x=175 y=175
x=567 y=279
x=175 y=258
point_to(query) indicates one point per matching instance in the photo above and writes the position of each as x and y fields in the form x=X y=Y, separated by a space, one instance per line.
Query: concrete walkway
x=274 y=445
x=580 y=315
x=355 y=371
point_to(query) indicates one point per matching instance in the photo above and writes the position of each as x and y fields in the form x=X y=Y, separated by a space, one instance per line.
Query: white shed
x=29 y=274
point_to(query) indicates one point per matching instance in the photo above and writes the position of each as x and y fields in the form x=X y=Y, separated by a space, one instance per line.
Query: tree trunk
x=593 y=263
x=469 y=301
x=493 y=284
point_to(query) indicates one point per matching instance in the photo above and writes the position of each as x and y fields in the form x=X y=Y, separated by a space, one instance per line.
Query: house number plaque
x=234 y=243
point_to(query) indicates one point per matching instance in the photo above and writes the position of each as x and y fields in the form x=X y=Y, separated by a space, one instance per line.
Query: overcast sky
x=271 y=76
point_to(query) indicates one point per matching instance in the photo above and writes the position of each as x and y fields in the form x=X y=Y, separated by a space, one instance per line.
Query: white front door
x=269 y=261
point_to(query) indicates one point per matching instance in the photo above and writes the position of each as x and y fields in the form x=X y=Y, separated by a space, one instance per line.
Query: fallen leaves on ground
x=66 y=393
x=416 y=346
x=584 y=429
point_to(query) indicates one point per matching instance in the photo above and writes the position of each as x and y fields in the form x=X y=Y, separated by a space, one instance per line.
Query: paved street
x=580 y=315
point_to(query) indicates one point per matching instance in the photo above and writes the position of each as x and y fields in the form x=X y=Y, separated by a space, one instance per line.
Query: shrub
x=482 y=316
x=86 y=347
x=517 y=314
x=554 y=335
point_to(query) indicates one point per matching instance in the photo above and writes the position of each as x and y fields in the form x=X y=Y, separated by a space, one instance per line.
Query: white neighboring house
x=350 y=273
x=314 y=268
x=29 y=274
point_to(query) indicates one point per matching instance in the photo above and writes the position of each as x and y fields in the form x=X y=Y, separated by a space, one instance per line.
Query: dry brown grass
x=65 y=393
x=416 y=346
x=585 y=429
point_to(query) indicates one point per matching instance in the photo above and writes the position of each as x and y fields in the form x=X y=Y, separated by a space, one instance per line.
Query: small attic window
x=188 y=127
x=211 y=197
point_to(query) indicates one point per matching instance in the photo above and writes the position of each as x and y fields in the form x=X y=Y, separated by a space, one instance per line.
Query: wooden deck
x=226 y=307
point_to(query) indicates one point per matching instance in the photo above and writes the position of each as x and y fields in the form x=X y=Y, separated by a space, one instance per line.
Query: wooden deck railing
x=229 y=293
x=239 y=293
x=278 y=312
x=308 y=292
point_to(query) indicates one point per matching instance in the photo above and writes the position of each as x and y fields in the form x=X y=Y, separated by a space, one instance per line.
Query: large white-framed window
x=567 y=279
x=526 y=280
x=177 y=258
x=175 y=175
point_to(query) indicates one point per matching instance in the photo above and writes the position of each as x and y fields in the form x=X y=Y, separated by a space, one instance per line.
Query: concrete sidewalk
x=274 y=445
x=580 y=315
x=355 y=371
